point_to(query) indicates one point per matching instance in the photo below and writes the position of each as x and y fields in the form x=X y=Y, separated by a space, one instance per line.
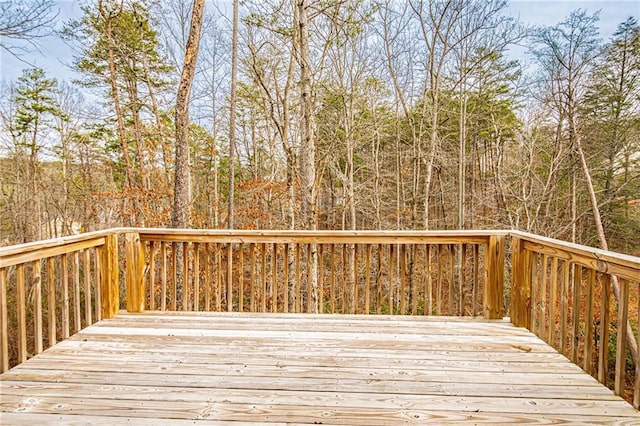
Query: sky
x=55 y=57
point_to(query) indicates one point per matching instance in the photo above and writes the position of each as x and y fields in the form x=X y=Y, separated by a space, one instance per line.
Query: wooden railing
x=426 y=273
x=582 y=301
x=52 y=289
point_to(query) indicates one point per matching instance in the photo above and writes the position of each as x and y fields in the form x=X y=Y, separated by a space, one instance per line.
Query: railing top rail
x=289 y=236
x=20 y=253
x=607 y=261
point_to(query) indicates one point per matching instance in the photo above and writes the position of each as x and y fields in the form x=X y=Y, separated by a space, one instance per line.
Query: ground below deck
x=213 y=369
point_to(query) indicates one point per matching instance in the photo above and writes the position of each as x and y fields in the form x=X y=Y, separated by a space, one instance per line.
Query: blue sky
x=55 y=57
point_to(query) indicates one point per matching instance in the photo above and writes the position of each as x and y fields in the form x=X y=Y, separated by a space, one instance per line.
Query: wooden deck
x=212 y=369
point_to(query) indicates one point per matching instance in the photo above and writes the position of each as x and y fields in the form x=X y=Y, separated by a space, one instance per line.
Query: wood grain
x=222 y=368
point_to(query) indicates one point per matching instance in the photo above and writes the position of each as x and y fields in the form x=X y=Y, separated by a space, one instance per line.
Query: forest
x=331 y=114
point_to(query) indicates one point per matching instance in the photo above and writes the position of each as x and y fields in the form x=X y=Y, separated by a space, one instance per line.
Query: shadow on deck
x=216 y=368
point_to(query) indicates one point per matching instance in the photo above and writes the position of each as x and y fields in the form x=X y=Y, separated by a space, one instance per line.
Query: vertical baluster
x=21 y=311
x=403 y=279
x=263 y=277
x=354 y=308
x=218 y=277
x=461 y=281
x=332 y=292
x=476 y=279
x=588 y=319
x=76 y=291
x=65 y=295
x=97 y=279
x=564 y=307
x=240 y=277
x=343 y=291
x=603 y=349
x=230 y=277
x=392 y=276
x=621 y=338
x=298 y=281
x=321 y=278
x=174 y=269
x=285 y=278
x=208 y=264
x=152 y=275
x=186 y=248
x=4 y=319
x=452 y=262
x=552 y=303
x=36 y=269
x=87 y=288
x=309 y=280
x=428 y=284
x=274 y=278
x=163 y=277
x=439 y=282
x=51 y=298
x=252 y=279
x=367 y=279
x=575 y=341
x=379 y=281
x=544 y=304
x=196 y=277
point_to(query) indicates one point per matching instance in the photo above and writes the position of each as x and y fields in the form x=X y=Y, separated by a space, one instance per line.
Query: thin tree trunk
x=232 y=115
x=182 y=181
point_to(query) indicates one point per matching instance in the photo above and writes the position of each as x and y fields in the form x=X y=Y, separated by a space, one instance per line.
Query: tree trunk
x=232 y=115
x=182 y=181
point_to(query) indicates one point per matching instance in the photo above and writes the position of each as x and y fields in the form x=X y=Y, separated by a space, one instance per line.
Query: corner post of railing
x=520 y=311
x=494 y=284
x=109 y=286
x=134 y=278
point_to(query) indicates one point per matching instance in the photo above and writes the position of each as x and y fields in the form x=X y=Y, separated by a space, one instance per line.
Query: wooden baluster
x=274 y=278
x=152 y=275
x=87 y=288
x=588 y=319
x=64 y=260
x=174 y=269
x=309 y=280
x=439 y=282
x=21 y=312
x=603 y=347
x=218 y=277
x=354 y=305
x=320 y=278
x=332 y=292
x=4 y=320
x=545 y=322
x=621 y=338
x=37 y=302
x=451 y=284
x=76 y=292
x=196 y=277
x=285 y=278
x=163 y=276
x=298 y=281
x=208 y=264
x=97 y=279
x=252 y=279
x=428 y=284
x=392 y=277
x=403 y=279
x=551 y=339
x=230 y=277
x=186 y=249
x=367 y=280
x=51 y=299
x=575 y=341
x=564 y=307
x=240 y=277
x=343 y=292
x=476 y=279
x=263 y=277
x=461 y=280
x=379 y=281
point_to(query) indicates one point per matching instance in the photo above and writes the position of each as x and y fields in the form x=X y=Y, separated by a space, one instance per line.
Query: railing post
x=109 y=286
x=135 y=261
x=520 y=285
x=494 y=284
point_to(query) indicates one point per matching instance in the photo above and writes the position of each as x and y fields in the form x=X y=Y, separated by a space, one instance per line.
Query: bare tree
x=182 y=182
x=25 y=20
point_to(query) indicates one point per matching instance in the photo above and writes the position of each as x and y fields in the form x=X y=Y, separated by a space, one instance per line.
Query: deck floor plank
x=220 y=369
